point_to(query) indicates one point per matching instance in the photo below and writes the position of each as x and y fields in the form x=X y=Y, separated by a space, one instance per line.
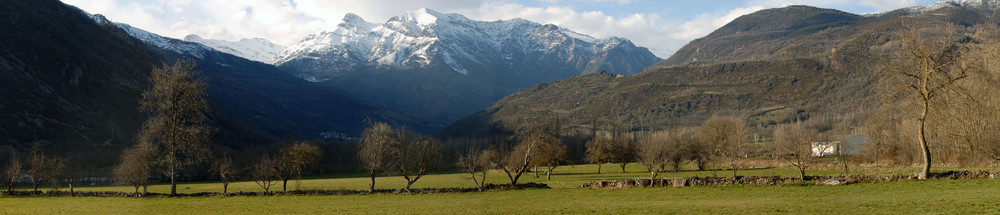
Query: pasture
x=566 y=196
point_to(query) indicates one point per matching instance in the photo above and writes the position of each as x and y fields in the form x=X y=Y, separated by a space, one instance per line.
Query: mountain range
x=774 y=66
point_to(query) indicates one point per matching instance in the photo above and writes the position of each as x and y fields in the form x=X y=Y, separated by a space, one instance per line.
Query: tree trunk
x=173 y=180
x=225 y=187
x=371 y=186
x=925 y=172
x=652 y=177
x=802 y=173
x=733 y=165
x=408 y=183
x=284 y=184
x=598 y=167
x=474 y=180
x=623 y=166
x=536 y=171
x=137 y=190
x=548 y=174
x=36 y=187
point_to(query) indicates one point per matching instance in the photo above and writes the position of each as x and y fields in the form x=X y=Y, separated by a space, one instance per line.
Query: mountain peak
x=192 y=37
x=422 y=17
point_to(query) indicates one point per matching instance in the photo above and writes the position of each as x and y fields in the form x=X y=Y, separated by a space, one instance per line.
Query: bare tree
x=222 y=167
x=375 y=154
x=794 y=144
x=928 y=68
x=44 y=169
x=136 y=166
x=292 y=159
x=515 y=161
x=13 y=173
x=549 y=152
x=477 y=163
x=679 y=145
x=726 y=135
x=265 y=173
x=178 y=106
x=413 y=157
x=623 y=151
x=600 y=150
x=652 y=152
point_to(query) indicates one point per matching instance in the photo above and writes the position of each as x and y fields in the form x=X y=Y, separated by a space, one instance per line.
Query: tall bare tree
x=375 y=154
x=794 y=144
x=136 y=166
x=13 y=173
x=178 y=104
x=727 y=136
x=292 y=159
x=928 y=68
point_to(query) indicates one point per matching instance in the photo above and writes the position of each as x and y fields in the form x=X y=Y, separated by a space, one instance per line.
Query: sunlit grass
x=932 y=196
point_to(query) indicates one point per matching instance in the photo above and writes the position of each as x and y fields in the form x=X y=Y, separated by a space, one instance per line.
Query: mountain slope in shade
x=443 y=66
x=256 y=49
x=73 y=81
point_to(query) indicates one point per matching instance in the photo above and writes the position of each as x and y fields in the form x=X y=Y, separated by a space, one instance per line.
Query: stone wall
x=774 y=180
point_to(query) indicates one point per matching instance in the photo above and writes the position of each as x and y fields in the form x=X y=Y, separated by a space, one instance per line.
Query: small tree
x=726 y=135
x=515 y=161
x=136 y=166
x=223 y=168
x=623 y=151
x=44 y=169
x=550 y=152
x=178 y=106
x=795 y=145
x=414 y=157
x=292 y=159
x=652 y=152
x=375 y=153
x=264 y=173
x=599 y=151
x=13 y=173
x=477 y=163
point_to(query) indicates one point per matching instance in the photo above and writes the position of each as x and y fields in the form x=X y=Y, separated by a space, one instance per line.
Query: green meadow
x=566 y=196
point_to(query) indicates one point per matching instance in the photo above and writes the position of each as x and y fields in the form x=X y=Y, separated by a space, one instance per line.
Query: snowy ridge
x=256 y=49
x=193 y=49
x=982 y=4
x=426 y=38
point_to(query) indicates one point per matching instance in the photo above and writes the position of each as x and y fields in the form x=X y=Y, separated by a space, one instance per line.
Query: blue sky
x=663 y=26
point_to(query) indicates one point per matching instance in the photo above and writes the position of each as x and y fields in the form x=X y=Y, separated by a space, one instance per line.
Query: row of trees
x=40 y=168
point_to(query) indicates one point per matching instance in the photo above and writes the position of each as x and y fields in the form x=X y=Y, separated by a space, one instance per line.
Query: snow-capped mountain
x=990 y=5
x=181 y=47
x=418 y=39
x=256 y=49
x=444 y=66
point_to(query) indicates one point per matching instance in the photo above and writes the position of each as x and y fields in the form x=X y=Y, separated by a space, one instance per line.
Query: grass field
x=922 y=197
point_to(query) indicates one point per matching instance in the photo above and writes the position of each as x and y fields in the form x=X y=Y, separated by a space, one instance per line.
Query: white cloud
x=886 y=5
